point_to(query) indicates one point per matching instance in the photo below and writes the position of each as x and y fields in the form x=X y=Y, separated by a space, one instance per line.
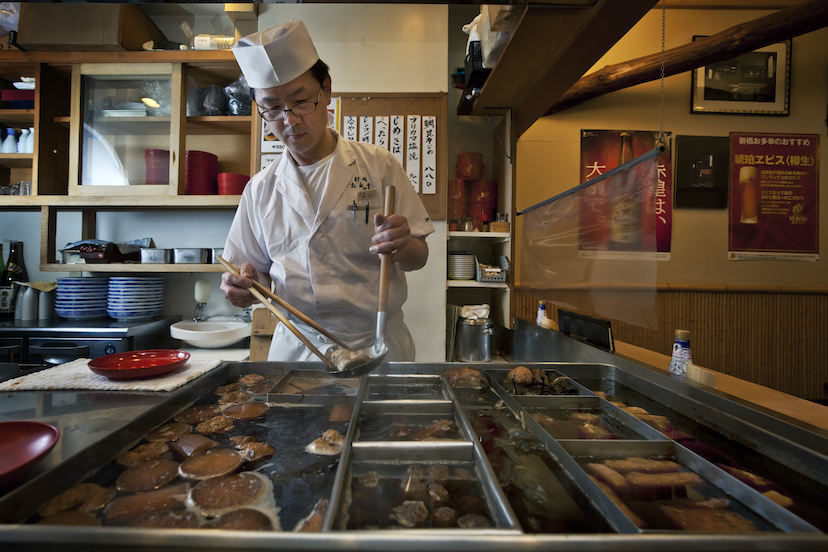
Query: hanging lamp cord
x=661 y=100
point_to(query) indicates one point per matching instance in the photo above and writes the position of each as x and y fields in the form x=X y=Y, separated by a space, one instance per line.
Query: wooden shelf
x=133 y=126
x=16 y=160
x=122 y=203
x=130 y=267
x=224 y=124
x=549 y=50
x=476 y=284
x=480 y=235
x=17 y=117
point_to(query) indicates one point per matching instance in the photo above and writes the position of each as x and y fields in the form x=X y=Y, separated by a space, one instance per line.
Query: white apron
x=319 y=262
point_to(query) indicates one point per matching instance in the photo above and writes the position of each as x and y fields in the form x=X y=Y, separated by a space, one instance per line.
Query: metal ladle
x=379 y=349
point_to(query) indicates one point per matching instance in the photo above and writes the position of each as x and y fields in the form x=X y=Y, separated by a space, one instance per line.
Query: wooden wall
x=776 y=338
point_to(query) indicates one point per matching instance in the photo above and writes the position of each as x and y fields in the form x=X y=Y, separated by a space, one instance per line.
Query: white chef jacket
x=319 y=261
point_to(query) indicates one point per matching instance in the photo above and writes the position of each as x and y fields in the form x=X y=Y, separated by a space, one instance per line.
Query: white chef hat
x=276 y=56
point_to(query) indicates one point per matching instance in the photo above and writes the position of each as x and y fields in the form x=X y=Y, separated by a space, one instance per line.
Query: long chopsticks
x=284 y=304
x=258 y=295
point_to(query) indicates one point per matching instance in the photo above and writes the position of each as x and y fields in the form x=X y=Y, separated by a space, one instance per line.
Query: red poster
x=603 y=150
x=774 y=196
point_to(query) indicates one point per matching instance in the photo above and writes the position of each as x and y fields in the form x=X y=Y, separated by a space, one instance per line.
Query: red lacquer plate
x=22 y=444
x=139 y=364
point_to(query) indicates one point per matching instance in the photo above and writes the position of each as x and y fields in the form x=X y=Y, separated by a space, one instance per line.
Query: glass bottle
x=12 y=272
x=15 y=270
x=682 y=355
x=625 y=204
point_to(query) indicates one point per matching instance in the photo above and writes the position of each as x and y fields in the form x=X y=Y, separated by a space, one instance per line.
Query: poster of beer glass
x=756 y=83
x=774 y=196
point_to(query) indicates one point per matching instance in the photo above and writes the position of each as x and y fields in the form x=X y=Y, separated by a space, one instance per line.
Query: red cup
x=158 y=166
x=470 y=166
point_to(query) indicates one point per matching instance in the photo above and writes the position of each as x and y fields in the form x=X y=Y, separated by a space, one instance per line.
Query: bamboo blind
x=775 y=339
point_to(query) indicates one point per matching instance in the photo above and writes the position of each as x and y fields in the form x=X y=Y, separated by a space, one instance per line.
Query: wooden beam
x=733 y=42
x=588 y=38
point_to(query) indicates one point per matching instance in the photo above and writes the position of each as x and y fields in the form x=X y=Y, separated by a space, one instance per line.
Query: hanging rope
x=661 y=105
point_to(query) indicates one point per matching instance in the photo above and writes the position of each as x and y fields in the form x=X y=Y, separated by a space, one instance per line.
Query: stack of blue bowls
x=81 y=297
x=135 y=297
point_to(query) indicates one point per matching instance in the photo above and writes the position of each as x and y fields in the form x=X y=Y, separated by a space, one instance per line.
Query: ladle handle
x=385 y=261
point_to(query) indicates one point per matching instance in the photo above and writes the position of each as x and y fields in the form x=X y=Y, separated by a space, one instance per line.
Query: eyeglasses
x=304 y=108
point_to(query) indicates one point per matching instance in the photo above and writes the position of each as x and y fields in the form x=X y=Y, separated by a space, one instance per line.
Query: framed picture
x=702 y=171
x=757 y=83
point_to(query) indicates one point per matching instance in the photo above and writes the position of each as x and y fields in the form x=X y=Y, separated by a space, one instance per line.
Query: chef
x=311 y=223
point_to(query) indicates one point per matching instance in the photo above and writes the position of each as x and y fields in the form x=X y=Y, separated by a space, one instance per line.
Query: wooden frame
x=701 y=172
x=152 y=124
x=756 y=83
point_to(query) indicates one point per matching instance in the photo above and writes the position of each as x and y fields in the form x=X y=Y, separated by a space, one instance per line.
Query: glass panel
x=126 y=130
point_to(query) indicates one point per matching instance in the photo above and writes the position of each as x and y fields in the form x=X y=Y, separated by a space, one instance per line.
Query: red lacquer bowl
x=139 y=364
x=22 y=444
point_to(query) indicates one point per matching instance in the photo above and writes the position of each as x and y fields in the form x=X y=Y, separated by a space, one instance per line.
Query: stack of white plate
x=133 y=297
x=461 y=267
x=81 y=297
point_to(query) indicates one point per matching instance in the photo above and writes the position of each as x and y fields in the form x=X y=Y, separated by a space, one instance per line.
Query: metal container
x=156 y=256
x=473 y=342
x=71 y=256
x=190 y=255
x=215 y=253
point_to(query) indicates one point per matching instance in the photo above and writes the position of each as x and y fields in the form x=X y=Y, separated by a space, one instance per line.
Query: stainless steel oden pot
x=473 y=342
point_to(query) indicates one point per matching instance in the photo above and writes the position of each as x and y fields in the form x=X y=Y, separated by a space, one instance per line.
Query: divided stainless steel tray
x=417 y=392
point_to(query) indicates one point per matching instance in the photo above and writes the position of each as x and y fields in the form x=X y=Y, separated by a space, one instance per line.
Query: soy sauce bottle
x=14 y=271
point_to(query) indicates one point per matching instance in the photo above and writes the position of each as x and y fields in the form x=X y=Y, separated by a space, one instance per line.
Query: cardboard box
x=85 y=27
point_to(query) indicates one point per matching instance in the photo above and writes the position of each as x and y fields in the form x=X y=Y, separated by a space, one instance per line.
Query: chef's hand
x=392 y=236
x=237 y=288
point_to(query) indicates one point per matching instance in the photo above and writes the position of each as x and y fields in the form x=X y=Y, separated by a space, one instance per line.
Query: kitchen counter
x=765 y=397
x=225 y=355
x=96 y=422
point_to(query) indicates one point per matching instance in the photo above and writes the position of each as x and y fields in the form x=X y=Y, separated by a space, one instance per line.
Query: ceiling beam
x=737 y=40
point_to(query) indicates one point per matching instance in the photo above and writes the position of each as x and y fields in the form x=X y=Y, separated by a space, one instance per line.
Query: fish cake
x=659 y=480
x=147 y=476
x=169 y=432
x=642 y=465
x=84 y=497
x=707 y=519
x=617 y=482
x=143 y=453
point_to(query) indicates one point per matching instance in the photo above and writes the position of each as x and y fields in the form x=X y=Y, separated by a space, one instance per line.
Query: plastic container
x=682 y=355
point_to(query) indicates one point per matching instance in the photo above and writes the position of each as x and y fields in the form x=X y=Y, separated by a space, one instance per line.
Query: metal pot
x=473 y=342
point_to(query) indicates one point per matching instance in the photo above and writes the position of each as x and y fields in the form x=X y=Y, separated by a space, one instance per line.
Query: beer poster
x=607 y=225
x=774 y=196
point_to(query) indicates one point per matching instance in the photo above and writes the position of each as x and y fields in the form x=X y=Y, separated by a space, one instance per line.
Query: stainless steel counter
x=97 y=426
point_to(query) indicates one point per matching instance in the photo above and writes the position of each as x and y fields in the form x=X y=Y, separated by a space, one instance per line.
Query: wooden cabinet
x=71 y=127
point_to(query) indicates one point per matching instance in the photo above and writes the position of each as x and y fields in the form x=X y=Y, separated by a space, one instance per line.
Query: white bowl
x=210 y=335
